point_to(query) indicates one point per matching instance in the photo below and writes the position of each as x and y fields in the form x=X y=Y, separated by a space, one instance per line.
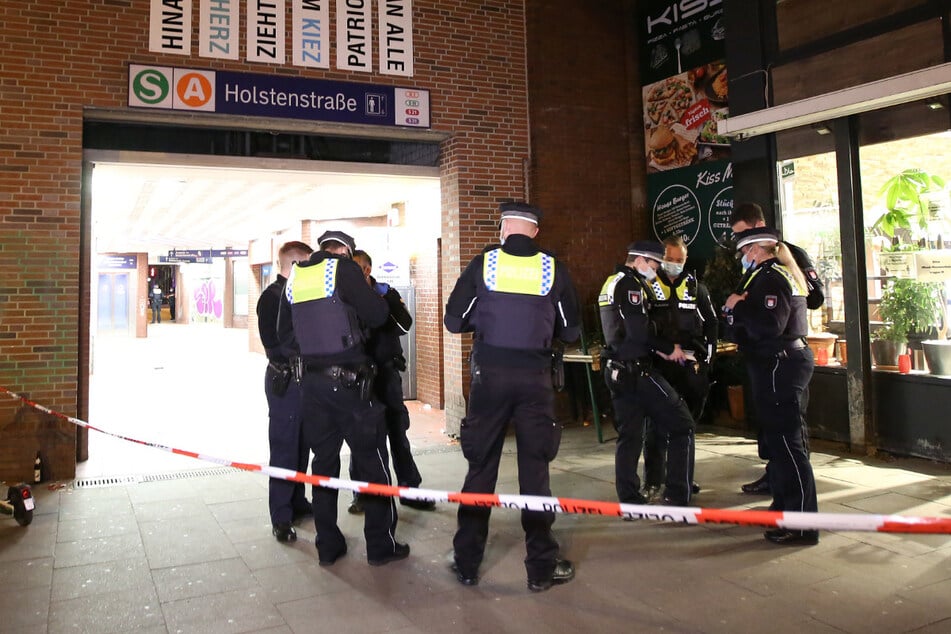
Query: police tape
x=671 y=514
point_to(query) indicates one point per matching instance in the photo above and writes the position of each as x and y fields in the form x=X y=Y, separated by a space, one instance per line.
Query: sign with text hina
x=685 y=92
x=266 y=32
x=251 y=94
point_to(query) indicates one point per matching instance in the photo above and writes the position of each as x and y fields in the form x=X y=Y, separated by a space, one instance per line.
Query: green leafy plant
x=904 y=201
x=909 y=306
x=722 y=274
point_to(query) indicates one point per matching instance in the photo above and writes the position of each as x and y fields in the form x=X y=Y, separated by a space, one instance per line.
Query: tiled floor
x=194 y=553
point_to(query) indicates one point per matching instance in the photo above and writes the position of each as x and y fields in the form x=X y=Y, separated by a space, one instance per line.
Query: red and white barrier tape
x=674 y=514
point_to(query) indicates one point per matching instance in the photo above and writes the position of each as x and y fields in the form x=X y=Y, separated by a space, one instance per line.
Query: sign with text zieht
x=257 y=95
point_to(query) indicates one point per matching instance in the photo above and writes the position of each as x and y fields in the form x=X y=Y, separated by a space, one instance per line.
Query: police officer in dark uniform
x=332 y=309
x=385 y=350
x=516 y=299
x=637 y=388
x=286 y=499
x=767 y=318
x=750 y=216
x=685 y=317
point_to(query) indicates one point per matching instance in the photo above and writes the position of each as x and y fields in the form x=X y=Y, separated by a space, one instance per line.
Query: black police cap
x=647 y=249
x=521 y=211
x=337 y=236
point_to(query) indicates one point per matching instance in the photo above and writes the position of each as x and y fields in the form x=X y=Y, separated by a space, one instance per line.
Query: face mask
x=648 y=273
x=672 y=269
x=746 y=263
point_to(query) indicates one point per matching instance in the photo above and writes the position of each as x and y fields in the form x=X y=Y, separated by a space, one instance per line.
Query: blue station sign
x=258 y=95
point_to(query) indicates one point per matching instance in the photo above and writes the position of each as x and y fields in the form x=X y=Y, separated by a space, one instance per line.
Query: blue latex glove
x=381 y=287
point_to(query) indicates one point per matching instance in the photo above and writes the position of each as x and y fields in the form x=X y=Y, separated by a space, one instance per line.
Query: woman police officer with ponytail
x=767 y=318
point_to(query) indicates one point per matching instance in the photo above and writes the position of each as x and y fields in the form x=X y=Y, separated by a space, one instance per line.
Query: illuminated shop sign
x=251 y=94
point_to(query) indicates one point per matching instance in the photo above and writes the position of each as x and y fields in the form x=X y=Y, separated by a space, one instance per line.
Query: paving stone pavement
x=193 y=553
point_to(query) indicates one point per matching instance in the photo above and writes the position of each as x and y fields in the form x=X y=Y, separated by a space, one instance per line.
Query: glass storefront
x=906 y=212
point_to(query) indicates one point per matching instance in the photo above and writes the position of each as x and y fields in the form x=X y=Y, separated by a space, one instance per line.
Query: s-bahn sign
x=257 y=95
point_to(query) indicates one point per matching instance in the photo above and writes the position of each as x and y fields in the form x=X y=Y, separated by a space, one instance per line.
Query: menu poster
x=680 y=118
x=695 y=203
x=685 y=91
x=679 y=34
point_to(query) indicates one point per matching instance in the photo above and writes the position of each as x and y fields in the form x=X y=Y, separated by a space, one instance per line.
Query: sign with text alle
x=252 y=94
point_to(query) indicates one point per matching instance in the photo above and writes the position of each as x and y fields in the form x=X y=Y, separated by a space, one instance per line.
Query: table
x=590 y=356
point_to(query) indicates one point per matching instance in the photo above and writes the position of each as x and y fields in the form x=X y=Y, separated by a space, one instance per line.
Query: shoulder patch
x=634 y=297
x=812 y=275
x=771 y=301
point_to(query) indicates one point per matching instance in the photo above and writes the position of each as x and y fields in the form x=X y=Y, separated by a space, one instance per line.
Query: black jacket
x=462 y=300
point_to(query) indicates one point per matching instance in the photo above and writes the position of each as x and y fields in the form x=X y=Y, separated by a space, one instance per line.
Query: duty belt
x=336 y=372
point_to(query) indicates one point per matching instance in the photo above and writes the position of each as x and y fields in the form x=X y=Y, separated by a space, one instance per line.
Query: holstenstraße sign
x=252 y=94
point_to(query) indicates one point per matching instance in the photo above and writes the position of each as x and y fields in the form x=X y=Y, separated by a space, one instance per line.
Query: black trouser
x=761 y=446
x=692 y=382
x=638 y=395
x=388 y=388
x=287 y=450
x=524 y=396
x=156 y=314
x=778 y=382
x=331 y=414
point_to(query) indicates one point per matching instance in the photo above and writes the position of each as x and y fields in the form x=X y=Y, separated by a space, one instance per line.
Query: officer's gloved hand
x=381 y=287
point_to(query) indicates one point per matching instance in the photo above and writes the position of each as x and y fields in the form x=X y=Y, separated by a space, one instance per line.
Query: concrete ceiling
x=151 y=207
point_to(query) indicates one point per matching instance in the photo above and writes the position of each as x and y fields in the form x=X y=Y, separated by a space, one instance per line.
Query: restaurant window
x=905 y=170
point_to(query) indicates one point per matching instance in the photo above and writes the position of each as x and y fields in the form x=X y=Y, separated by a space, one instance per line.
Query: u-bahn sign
x=257 y=95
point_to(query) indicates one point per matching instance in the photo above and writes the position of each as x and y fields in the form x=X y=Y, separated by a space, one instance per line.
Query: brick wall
x=59 y=58
x=580 y=71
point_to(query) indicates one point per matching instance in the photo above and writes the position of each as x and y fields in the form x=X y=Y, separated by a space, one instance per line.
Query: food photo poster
x=685 y=91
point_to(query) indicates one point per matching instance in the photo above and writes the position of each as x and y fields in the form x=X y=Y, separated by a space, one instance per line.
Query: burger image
x=662 y=146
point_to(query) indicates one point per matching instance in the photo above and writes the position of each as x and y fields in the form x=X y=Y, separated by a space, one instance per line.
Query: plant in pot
x=911 y=311
x=906 y=201
x=721 y=276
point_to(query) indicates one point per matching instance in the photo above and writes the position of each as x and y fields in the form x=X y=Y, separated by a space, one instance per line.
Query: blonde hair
x=782 y=253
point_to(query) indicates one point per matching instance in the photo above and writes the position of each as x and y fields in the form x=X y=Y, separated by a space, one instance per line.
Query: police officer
x=637 y=388
x=750 y=216
x=155 y=301
x=767 y=318
x=385 y=350
x=516 y=299
x=684 y=315
x=286 y=499
x=332 y=308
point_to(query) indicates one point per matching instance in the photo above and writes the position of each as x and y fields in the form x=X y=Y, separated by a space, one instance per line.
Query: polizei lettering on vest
x=173 y=25
x=266 y=29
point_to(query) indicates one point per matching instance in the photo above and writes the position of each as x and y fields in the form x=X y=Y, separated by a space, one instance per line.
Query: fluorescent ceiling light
x=892 y=91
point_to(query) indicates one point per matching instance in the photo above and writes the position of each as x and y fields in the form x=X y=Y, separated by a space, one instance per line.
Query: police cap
x=647 y=249
x=337 y=236
x=522 y=211
x=755 y=235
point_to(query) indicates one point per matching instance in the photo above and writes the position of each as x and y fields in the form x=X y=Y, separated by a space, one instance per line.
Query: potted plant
x=911 y=311
x=905 y=201
x=721 y=277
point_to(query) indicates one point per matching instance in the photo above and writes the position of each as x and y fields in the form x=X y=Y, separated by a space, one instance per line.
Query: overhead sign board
x=258 y=95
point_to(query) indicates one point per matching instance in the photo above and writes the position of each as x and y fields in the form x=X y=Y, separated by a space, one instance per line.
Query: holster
x=364 y=383
x=557 y=370
x=280 y=378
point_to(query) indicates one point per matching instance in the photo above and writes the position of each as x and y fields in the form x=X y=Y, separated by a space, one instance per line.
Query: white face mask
x=648 y=273
x=746 y=263
x=672 y=269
